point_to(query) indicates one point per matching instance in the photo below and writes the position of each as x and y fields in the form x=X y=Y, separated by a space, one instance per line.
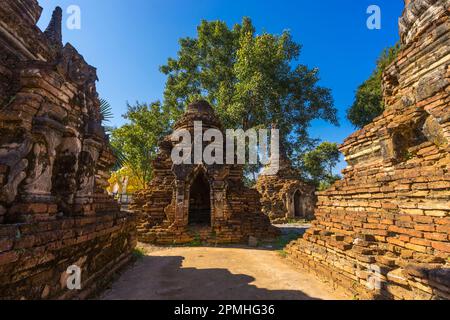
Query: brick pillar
x=84 y=199
x=218 y=196
x=181 y=204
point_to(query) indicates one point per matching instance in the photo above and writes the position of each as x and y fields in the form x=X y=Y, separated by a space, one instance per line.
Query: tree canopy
x=368 y=102
x=138 y=139
x=251 y=80
x=319 y=163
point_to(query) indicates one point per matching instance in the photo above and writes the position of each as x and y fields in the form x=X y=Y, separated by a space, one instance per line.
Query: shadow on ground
x=163 y=278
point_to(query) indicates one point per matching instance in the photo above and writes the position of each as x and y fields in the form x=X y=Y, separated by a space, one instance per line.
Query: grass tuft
x=138 y=253
x=283 y=240
x=282 y=253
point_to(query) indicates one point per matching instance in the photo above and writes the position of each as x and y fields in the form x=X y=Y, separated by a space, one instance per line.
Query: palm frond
x=106 y=110
x=121 y=158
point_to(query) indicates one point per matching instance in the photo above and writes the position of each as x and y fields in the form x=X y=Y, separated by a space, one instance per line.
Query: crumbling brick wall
x=54 y=163
x=383 y=230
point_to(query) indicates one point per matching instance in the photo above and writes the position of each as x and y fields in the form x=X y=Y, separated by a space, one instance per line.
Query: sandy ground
x=212 y=273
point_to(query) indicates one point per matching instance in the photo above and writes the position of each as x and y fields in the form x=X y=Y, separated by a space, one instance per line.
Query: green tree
x=251 y=80
x=319 y=164
x=368 y=102
x=138 y=140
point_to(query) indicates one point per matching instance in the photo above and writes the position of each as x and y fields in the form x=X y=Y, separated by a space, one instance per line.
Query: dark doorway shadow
x=200 y=201
x=163 y=278
x=298 y=210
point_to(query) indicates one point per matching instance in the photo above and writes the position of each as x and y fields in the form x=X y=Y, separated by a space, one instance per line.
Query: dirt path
x=189 y=273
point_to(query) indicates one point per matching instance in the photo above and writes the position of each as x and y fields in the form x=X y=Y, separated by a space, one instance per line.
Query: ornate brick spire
x=415 y=16
x=53 y=31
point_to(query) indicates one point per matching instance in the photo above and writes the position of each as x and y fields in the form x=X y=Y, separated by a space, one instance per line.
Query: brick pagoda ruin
x=284 y=195
x=54 y=165
x=384 y=230
x=203 y=202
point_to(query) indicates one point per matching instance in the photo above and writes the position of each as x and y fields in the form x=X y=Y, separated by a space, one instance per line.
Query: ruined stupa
x=186 y=202
x=54 y=166
x=383 y=230
x=285 y=196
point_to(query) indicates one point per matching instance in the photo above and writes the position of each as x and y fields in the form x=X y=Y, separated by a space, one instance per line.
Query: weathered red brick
x=442 y=246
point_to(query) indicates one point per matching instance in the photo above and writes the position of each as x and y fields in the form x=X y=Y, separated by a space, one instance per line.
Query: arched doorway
x=298 y=204
x=200 y=201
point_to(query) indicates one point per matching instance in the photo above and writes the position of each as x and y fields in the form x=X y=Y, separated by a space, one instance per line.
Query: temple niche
x=284 y=195
x=203 y=202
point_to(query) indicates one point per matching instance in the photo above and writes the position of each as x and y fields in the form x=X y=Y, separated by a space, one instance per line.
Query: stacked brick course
x=164 y=207
x=54 y=161
x=388 y=221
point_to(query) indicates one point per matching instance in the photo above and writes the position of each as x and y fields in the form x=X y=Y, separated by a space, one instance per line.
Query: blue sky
x=127 y=41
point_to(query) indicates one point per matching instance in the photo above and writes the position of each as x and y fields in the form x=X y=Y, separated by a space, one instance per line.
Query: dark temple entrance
x=298 y=207
x=200 y=201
